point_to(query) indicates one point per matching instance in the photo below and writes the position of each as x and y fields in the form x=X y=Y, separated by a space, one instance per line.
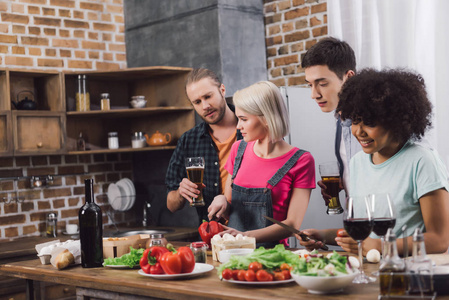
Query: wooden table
x=108 y=283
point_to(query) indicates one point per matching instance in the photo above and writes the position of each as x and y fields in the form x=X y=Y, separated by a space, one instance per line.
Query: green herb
x=318 y=265
x=130 y=259
x=269 y=258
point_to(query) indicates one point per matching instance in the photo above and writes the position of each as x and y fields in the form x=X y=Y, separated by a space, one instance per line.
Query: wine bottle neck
x=89 y=190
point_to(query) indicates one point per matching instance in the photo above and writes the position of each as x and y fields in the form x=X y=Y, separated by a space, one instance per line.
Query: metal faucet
x=146 y=216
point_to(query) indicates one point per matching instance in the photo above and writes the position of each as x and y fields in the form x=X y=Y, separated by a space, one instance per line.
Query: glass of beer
x=195 y=173
x=330 y=174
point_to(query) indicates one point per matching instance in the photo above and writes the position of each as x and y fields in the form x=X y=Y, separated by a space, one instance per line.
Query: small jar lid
x=156 y=236
x=105 y=95
x=112 y=134
x=199 y=245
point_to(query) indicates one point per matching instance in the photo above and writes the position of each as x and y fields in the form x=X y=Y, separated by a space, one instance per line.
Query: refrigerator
x=314 y=131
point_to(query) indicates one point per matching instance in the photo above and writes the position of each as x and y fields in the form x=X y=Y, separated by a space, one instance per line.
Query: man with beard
x=211 y=139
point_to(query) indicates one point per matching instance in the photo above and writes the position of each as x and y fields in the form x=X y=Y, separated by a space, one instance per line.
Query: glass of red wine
x=358 y=223
x=383 y=215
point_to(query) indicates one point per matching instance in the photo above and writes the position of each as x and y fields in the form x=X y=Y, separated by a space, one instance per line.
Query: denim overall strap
x=238 y=158
x=285 y=168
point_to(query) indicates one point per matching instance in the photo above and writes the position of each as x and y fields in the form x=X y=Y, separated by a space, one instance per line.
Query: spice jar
x=138 y=140
x=82 y=95
x=199 y=251
x=105 y=104
x=113 y=140
x=157 y=239
x=52 y=220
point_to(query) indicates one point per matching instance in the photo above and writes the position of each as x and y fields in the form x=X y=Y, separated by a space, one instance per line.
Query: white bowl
x=225 y=255
x=324 y=285
x=138 y=103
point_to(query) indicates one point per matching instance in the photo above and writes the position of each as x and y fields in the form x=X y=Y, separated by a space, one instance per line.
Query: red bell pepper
x=151 y=257
x=208 y=229
x=181 y=261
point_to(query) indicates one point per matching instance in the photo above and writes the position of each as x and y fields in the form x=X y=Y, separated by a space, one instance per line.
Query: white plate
x=121 y=266
x=125 y=192
x=198 y=270
x=66 y=233
x=259 y=282
x=132 y=192
x=114 y=196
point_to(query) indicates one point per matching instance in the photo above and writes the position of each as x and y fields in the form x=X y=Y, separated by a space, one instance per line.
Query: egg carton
x=228 y=243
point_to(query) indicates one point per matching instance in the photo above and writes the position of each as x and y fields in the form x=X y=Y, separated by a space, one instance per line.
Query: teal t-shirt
x=407 y=176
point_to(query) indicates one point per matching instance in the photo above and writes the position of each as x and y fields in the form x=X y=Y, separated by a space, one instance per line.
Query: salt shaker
x=52 y=220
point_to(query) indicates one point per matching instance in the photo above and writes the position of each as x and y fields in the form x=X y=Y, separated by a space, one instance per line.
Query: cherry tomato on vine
x=226 y=274
x=255 y=266
x=286 y=266
x=263 y=275
x=250 y=275
x=278 y=276
x=241 y=275
x=235 y=274
x=287 y=274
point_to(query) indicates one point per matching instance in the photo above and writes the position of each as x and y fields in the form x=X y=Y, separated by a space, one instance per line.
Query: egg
x=373 y=256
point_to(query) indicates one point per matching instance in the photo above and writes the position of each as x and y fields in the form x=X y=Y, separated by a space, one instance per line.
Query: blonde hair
x=263 y=99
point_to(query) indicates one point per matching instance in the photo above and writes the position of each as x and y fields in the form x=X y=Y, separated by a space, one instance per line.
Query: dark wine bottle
x=91 y=230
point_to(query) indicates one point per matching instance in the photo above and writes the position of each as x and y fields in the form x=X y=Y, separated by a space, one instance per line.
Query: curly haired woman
x=390 y=111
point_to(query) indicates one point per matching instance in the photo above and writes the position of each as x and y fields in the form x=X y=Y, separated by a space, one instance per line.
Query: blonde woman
x=269 y=176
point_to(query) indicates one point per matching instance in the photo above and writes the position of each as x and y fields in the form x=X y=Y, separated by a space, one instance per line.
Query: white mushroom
x=373 y=256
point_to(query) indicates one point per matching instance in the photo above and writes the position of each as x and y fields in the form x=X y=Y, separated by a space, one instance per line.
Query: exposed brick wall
x=291 y=28
x=23 y=209
x=62 y=34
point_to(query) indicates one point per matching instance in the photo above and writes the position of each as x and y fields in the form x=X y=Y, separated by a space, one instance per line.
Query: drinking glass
x=330 y=175
x=358 y=223
x=195 y=173
x=383 y=215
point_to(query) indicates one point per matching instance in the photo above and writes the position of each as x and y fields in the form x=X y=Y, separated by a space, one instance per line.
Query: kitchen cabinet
x=167 y=109
x=37 y=131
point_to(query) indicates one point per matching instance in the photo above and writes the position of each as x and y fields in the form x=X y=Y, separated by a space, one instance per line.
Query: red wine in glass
x=358 y=228
x=381 y=225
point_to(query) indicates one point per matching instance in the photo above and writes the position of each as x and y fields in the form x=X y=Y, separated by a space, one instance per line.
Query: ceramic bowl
x=324 y=285
x=225 y=255
x=138 y=103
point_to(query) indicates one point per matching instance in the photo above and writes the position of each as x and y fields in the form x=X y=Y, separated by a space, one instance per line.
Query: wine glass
x=383 y=215
x=358 y=223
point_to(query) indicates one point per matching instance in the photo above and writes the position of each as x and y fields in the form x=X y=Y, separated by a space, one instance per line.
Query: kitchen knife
x=303 y=236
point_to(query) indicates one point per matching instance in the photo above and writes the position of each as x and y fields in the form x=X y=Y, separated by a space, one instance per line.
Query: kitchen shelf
x=121 y=150
x=123 y=112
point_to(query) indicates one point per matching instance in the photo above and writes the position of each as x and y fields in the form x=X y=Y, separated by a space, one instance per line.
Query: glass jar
x=105 y=104
x=199 y=251
x=113 y=140
x=157 y=239
x=82 y=95
x=138 y=140
x=52 y=220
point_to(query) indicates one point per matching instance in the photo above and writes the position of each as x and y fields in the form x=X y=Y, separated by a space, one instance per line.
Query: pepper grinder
x=52 y=220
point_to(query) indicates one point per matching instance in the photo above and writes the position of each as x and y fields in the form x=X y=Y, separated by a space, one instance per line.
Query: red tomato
x=226 y=274
x=287 y=274
x=255 y=266
x=250 y=275
x=171 y=263
x=286 y=266
x=278 y=276
x=235 y=274
x=187 y=259
x=341 y=232
x=241 y=275
x=263 y=275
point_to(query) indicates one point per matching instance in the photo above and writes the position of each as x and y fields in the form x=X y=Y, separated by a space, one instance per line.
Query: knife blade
x=303 y=236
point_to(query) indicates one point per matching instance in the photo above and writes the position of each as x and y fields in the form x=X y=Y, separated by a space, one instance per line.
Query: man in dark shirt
x=211 y=139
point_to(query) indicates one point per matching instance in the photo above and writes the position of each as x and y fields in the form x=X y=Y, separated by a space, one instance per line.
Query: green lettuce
x=130 y=259
x=269 y=258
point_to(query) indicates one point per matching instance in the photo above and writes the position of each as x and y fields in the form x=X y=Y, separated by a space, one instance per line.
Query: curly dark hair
x=396 y=99
x=337 y=55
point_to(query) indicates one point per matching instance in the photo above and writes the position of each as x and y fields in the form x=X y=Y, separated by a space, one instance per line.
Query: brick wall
x=291 y=28
x=62 y=34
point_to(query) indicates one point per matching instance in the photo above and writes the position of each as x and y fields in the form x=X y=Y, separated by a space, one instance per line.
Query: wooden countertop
x=207 y=286
x=23 y=248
